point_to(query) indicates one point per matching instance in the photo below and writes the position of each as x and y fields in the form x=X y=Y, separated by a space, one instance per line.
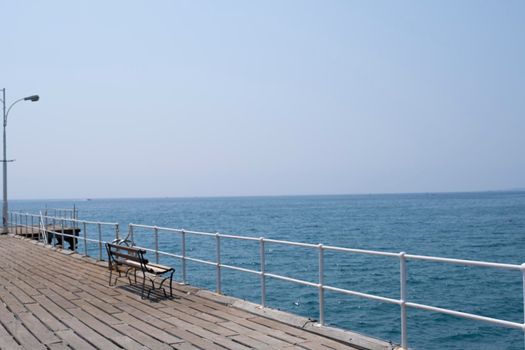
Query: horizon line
x=268 y=195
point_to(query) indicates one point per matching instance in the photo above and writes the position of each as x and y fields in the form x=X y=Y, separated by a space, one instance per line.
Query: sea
x=487 y=226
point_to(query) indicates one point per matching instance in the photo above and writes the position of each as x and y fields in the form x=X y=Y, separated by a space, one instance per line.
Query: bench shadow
x=155 y=295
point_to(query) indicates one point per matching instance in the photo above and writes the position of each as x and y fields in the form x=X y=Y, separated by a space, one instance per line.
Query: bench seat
x=124 y=259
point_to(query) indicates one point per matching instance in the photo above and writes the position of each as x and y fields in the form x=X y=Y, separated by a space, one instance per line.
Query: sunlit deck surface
x=52 y=300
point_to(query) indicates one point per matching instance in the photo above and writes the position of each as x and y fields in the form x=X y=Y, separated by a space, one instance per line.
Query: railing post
x=263 y=270
x=183 y=257
x=54 y=229
x=218 y=246
x=403 y=294
x=75 y=225
x=41 y=233
x=85 y=239
x=117 y=232
x=74 y=239
x=32 y=224
x=523 y=279
x=321 y=284
x=62 y=222
x=130 y=228
x=156 y=230
x=99 y=227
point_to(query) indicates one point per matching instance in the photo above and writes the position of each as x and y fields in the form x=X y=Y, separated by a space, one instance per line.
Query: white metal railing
x=52 y=230
x=69 y=213
x=402 y=257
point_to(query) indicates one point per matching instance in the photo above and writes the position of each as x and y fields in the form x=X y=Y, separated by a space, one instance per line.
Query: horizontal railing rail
x=50 y=228
x=70 y=213
x=402 y=257
x=27 y=220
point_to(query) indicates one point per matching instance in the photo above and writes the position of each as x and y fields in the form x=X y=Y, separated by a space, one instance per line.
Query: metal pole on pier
x=33 y=98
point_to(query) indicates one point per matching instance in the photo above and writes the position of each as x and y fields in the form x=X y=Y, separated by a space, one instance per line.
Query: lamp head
x=33 y=98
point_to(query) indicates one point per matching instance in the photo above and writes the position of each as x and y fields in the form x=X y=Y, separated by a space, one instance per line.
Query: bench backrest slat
x=123 y=255
x=128 y=256
x=123 y=247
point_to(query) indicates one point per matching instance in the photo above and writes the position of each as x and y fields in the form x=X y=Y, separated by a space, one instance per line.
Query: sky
x=237 y=98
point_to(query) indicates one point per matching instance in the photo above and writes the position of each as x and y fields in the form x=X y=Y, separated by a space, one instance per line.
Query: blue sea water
x=487 y=226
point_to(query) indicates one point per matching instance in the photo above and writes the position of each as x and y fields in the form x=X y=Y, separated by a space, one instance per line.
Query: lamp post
x=6 y=110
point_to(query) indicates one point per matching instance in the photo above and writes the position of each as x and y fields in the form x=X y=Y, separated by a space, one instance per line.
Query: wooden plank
x=28 y=289
x=12 y=303
x=62 y=300
x=275 y=332
x=252 y=343
x=6 y=340
x=53 y=308
x=96 y=312
x=6 y=316
x=186 y=346
x=203 y=333
x=196 y=340
x=90 y=335
x=74 y=340
x=59 y=346
x=106 y=331
x=46 y=318
x=39 y=330
x=23 y=336
x=100 y=303
x=141 y=337
x=313 y=345
x=149 y=329
x=19 y=294
x=272 y=324
x=211 y=326
x=263 y=338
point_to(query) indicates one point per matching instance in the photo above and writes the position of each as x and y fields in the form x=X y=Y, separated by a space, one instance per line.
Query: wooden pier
x=56 y=299
x=33 y=232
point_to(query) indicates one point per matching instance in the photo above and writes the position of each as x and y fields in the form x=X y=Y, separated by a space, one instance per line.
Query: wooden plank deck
x=52 y=300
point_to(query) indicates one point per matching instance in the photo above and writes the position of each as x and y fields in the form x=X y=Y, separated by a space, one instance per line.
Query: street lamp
x=33 y=98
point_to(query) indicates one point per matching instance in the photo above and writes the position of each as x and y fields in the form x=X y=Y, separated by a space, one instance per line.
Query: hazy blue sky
x=206 y=98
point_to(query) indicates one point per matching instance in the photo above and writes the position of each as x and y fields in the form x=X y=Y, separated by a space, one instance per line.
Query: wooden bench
x=126 y=260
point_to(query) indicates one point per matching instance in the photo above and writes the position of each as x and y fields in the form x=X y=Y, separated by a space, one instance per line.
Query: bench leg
x=152 y=287
x=171 y=282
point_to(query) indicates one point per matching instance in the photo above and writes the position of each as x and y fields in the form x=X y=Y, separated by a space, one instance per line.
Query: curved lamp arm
x=32 y=98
